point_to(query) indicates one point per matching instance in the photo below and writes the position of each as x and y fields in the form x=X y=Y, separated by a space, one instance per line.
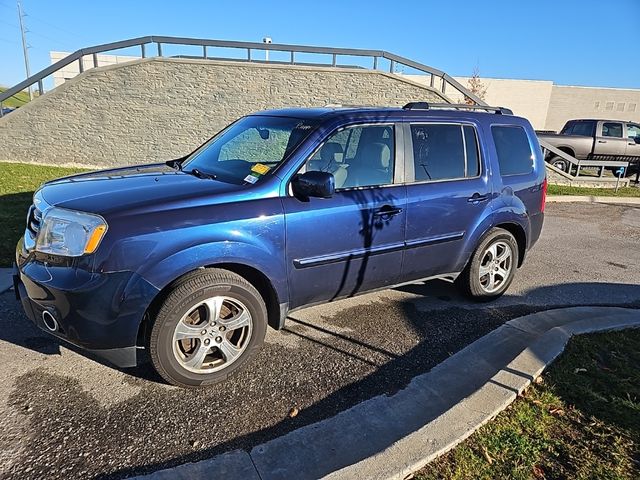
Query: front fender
x=162 y=273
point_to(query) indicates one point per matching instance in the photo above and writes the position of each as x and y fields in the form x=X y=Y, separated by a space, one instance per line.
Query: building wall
x=156 y=109
x=549 y=106
x=585 y=102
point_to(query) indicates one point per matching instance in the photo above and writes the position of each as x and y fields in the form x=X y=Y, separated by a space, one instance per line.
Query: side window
x=514 y=150
x=439 y=152
x=612 y=130
x=633 y=131
x=471 y=147
x=359 y=156
x=583 y=128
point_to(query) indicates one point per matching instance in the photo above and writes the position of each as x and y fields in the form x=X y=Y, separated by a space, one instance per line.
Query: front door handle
x=476 y=198
x=387 y=211
x=602 y=141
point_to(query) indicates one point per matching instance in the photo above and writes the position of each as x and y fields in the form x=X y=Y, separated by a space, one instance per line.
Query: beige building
x=549 y=106
x=546 y=105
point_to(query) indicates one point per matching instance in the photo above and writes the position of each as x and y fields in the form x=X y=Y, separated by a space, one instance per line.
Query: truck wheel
x=492 y=267
x=210 y=325
x=560 y=163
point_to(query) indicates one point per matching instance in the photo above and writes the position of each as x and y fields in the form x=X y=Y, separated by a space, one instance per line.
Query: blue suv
x=190 y=260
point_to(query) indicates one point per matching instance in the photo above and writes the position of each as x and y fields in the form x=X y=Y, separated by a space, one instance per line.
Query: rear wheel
x=210 y=325
x=491 y=268
x=560 y=163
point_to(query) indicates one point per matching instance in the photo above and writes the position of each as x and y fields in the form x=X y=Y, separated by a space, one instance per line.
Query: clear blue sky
x=572 y=42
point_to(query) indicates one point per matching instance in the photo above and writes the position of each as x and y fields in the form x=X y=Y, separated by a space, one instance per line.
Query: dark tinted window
x=438 y=152
x=473 y=159
x=583 y=128
x=612 y=130
x=513 y=148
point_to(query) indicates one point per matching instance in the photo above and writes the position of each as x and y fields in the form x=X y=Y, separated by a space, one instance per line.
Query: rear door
x=448 y=195
x=611 y=140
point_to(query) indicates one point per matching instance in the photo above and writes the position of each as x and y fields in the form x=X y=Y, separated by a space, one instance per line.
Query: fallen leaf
x=556 y=411
x=579 y=370
x=539 y=380
x=538 y=472
x=487 y=456
x=293 y=412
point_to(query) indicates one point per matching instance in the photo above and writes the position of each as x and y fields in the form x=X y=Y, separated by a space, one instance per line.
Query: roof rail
x=453 y=106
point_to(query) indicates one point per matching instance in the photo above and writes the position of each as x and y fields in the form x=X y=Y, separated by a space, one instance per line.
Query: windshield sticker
x=260 y=168
x=250 y=179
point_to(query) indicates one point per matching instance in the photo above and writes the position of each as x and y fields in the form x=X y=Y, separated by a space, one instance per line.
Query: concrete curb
x=389 y=437
x=593 y=199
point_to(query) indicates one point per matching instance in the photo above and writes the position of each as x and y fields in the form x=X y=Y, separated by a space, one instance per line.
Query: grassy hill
x=17 y=100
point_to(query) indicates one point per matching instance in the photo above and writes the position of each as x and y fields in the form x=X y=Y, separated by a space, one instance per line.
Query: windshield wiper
x=197 y=173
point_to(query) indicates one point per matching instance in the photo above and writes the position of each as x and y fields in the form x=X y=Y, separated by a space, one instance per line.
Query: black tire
x=188 y=295
x=469 y=280
x=560 y=163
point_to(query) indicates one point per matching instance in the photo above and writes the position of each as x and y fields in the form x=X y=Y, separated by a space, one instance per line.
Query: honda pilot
x=188 y=262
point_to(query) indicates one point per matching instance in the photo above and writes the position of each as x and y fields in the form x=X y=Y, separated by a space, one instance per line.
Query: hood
x=106 y=191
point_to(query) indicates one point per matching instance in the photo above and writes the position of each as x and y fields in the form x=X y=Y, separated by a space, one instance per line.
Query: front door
x=352 y=242
x=611 y=141
x=448 y=197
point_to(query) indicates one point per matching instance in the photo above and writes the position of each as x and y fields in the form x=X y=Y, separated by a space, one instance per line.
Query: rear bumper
x=98 y=312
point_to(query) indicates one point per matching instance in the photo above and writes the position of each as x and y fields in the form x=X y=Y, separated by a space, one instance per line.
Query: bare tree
x=475 y=86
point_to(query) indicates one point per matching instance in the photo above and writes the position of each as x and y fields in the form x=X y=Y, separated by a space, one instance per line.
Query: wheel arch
x=520 y=235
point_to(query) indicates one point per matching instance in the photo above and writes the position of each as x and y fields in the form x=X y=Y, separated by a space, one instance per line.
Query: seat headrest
x=377 y=155
x=329 y=151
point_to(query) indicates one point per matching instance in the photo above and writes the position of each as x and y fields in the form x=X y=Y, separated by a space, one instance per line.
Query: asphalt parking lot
x=64 y=415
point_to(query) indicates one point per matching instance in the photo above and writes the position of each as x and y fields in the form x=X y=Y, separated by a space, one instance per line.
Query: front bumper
x=98 y=312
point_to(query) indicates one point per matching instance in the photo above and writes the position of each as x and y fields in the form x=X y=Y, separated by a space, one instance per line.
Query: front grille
x=34 y=219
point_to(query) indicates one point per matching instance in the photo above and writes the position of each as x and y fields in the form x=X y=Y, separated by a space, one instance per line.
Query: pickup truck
x=589 y=139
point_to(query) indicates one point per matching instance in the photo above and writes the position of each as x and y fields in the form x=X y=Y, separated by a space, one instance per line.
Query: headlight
x=70 y=233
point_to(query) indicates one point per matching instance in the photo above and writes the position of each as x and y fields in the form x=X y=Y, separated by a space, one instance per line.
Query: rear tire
x=491 y=268
x=560 y=163
x=210 y=325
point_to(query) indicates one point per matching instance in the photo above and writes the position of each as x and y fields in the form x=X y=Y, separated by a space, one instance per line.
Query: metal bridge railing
x=151 y=46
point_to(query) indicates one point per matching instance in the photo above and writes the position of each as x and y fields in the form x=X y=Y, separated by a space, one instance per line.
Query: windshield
x=250 y=148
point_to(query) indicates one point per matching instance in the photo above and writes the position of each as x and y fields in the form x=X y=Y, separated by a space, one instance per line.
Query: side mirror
x=313 y=184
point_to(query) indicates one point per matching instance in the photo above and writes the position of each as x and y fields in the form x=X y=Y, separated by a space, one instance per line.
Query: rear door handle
x=477 y=198
x=387 y=211
x=602 y=141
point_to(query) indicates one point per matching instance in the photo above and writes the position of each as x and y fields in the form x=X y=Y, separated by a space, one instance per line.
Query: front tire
x=492 y=267
x=209 y=326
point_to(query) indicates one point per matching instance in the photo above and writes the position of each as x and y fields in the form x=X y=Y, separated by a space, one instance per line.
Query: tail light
x=544 y=195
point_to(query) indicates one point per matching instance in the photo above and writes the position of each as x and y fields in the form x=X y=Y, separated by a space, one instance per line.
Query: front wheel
x=210 y=324
x=492 y=267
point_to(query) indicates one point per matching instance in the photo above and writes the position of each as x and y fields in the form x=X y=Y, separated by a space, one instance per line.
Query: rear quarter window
x=515 y=156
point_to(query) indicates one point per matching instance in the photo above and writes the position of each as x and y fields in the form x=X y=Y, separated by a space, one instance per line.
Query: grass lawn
x=17 y=184
x=18 y=100
x=582 y=421
x=600 y=192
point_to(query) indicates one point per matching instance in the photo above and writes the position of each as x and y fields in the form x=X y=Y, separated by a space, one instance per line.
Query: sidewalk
x=593 y=199
x=389 y=437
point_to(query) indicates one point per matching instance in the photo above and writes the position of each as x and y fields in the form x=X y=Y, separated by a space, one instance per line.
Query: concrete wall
x=157 y=109
x=587 y=102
